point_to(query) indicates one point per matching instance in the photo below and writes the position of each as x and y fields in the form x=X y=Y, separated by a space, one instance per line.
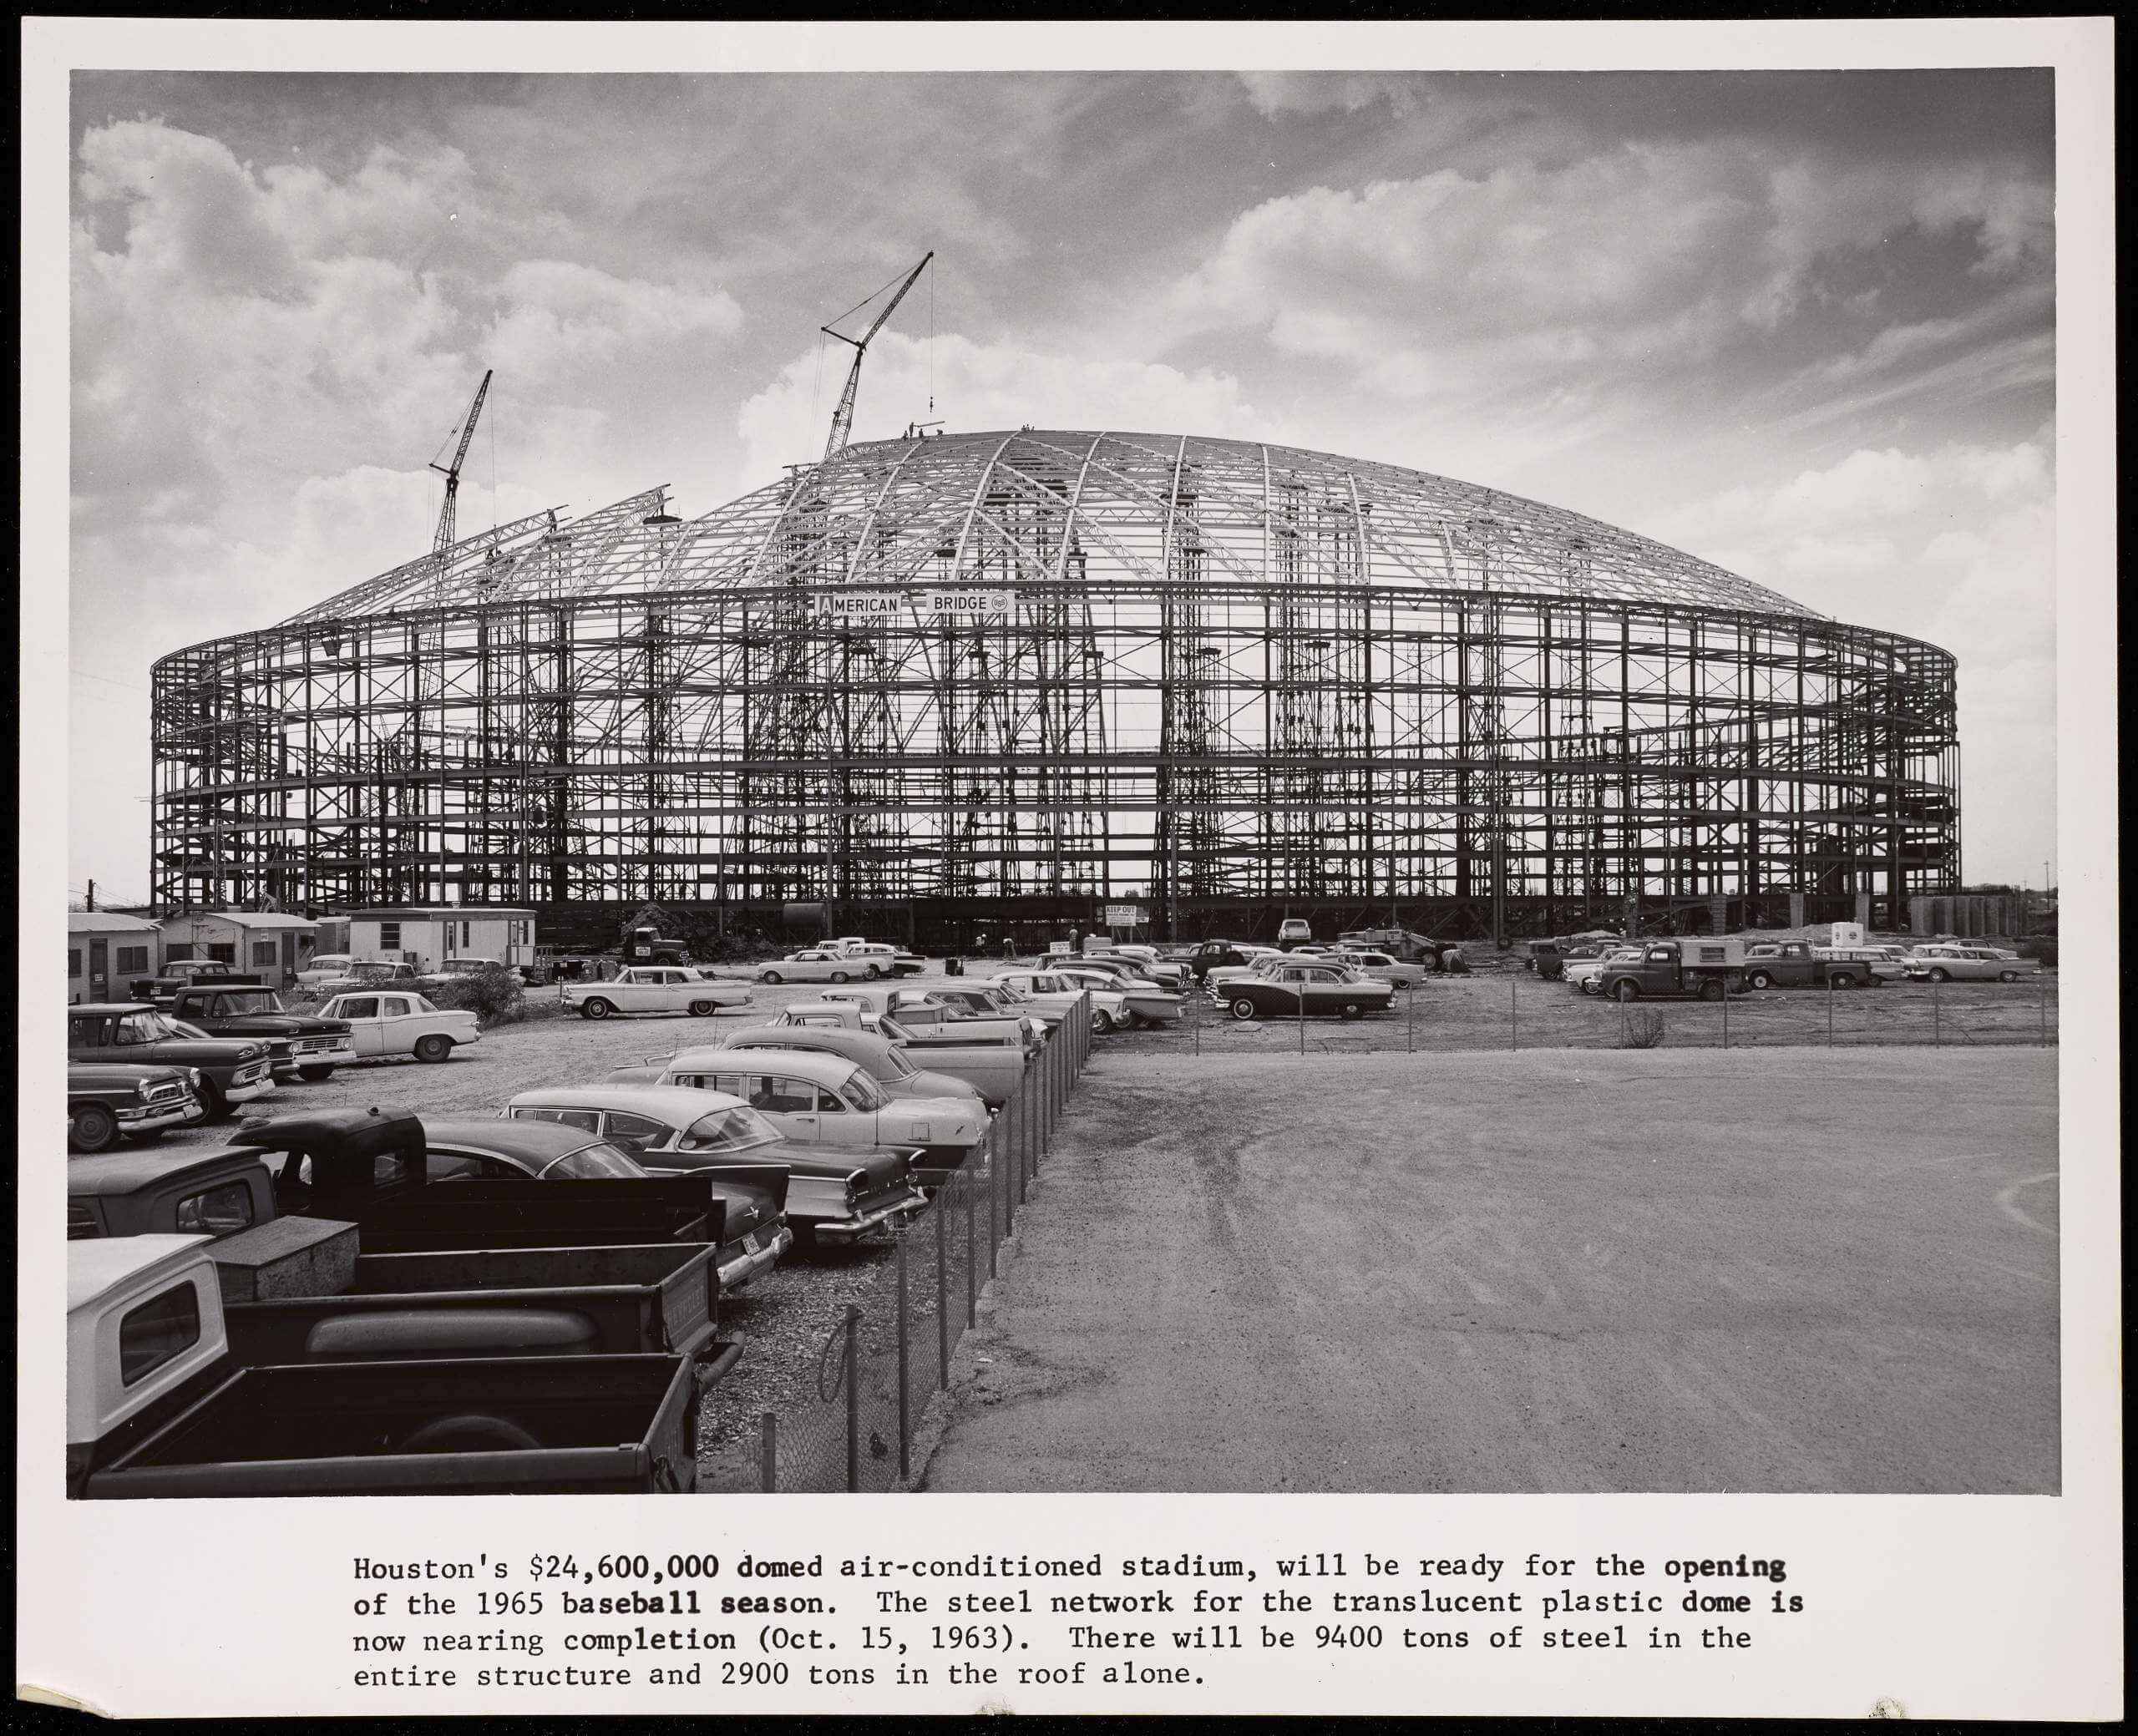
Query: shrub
x=494 y=994
x=2042 y=948
x=1639 y=1027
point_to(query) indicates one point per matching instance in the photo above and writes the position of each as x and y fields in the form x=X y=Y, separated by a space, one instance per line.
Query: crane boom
x=842 y=417
x=448 y=513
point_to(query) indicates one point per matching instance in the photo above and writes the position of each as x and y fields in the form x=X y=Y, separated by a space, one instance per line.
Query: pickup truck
x=183 y=974
x=608 y=1299
x=1672 y=970
x=160 y=1405
x=1200 y=959
x=232 y=1070
x=109 y=1100
x=298 y=1045
x=653 y=989
x=1794 y=965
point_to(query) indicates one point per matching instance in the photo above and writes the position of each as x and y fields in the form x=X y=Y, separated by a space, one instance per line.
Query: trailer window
x=160 y=1329
x=220 y=1212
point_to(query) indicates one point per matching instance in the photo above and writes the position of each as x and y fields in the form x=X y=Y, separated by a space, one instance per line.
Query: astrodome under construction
x=1041 y=672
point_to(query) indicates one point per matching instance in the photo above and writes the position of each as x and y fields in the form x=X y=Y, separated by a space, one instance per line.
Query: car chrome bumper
x=739 y=1271
x=153 y=1115
x=244 y=1093
x=846 y=1229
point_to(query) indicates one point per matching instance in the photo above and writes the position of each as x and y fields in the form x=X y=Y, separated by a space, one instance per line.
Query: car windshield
x=258 y=1000
x=594 y=1163
x=896 y=1066
x=728 y=1130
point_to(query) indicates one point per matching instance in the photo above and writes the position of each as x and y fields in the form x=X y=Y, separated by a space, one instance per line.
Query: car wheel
x=1711 y=991
x=92 y=1128
x=1102 y=1021
x=873 y=973
x=594 y=1008
x=313 y=1075
x=216 y=1106
x=1940 y=976
x=1844 y=981
x=1242 y=1009
x=1627 y=991
x=701 y=1009
x=433 y=1048
x=1761 y=979
x=839 y=976
x=769 y=976
x=1351 y=1010
x=2008 y=976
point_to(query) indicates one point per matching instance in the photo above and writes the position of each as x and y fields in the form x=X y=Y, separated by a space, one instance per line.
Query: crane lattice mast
x=442 y=543
x=842 y=417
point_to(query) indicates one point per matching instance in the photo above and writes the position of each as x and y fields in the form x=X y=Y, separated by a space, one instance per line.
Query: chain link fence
x=875 y=1371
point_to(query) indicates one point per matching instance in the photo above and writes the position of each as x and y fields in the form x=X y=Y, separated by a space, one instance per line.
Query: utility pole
x=89 y=897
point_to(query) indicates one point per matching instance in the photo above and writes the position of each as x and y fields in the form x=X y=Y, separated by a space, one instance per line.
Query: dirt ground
x=1552 y=1272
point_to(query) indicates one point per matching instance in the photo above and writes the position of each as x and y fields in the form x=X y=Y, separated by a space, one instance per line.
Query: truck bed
x=520 y=1212
x=518 y=1302
x=346 y=1428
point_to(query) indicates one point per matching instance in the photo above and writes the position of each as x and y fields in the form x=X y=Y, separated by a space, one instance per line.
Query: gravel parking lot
x=1550 y=1272
x=783 y=1318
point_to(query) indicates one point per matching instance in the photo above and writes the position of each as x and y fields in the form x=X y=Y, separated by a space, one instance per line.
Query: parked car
x=1142 y=1000
x=888 y=959
x=1057 y=993
x=1291 y=990
x=1383 y=967
x=1141 y=961
x=1587 y=975
x=1966 y=964
x=754 y=1231
x=299 y=1045
x=232 y=1070
x=108 y=1101
x=384 y=1027
x=820 y=964
x=884 y=1061
x=983 y=998
x=464 y=965
x=1205 y=956
x=182 y=974
x=188 y=1192
x=989 y=1057
x=1796 y=964
x=1672 y=970
x=322 y=969
x=833 y=1193
x=653 y=989
x=819 y=1099
x=376 y=974
x=1888 y=964
x=160 y=1405
x=1293 y=929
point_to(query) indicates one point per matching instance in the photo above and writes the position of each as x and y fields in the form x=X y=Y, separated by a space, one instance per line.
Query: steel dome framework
x=1036 y=664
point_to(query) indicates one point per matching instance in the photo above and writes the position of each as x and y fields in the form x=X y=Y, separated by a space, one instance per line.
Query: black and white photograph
x=1172 y=781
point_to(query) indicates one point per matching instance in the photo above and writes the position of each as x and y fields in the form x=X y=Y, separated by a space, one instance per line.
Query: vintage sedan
x=817 y=1099
x=1294 y=990
x=565 y=1147
x=1142 y=1000
x=322 y=969
x=1966 y=964
x=833 y=1193
x=1384 y=967
x=375 y=973
x=382 y=1027
x=232 y=1070
x=1587 y=975
x=989 y=1054
x=821 y=964
x=879 y=1056
x=107 y=1100
x=1057 y=993
x=654 y=989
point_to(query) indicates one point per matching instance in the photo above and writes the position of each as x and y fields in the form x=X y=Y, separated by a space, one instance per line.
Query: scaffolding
x=1027 y=666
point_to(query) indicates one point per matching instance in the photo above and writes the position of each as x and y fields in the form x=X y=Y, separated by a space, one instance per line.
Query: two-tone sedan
x=561 y=1146
x=821 y=964
x=819 y=1099
x=1308 y=989
x=833 y=1193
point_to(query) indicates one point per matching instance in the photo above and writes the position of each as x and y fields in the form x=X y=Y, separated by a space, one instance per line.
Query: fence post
x=1410 y=1020
x=972 y=1250
x=997 y=1156
x=2043 y=975
x=1514 y=1017
x=905 y=1400
x=1301 y=992
x=1937 y=1015
x=1830 y=1012
x=1726 y=1012
x=852 y=1398
x=943 y=1290
x=767 y=1452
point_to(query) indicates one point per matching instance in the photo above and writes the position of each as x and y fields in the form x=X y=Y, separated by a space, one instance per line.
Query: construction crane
x=842 y=417
x=442 y=545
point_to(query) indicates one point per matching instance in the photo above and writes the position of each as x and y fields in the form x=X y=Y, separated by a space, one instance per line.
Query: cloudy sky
x=1799 y=324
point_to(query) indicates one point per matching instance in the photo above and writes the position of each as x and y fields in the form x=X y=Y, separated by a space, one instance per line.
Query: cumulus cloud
x=1279 y=93
x=1001 y=385
x=560 y=318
